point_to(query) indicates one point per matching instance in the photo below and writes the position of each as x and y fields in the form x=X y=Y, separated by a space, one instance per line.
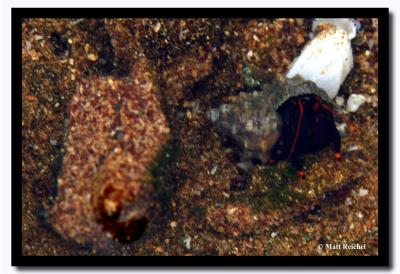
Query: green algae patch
x=271 y=188
x=280 y=192
x=158 y=168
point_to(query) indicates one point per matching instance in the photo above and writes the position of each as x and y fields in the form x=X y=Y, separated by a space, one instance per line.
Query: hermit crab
x=285 y=119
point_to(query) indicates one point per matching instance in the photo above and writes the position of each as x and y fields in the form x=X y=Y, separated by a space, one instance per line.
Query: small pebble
x=371 y=43
x=213 y=170
x=38 y=37
x=339 y=100
x=159 y=249
x=353 y=148
x=273 y=234
x=342 y=128
x=299 y=21
x=157 y=27
x=348 y=201
x=187 y=241
x=92 y=57
x=368 y=99
x=173 y=224
x=362 y=192
x=249 y=54
x=78 y=21
x=53 y=142
x=354 y=102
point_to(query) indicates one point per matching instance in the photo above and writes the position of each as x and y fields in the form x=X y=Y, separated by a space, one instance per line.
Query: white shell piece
x=348 y=25
x=328 y=58
x=354 y=102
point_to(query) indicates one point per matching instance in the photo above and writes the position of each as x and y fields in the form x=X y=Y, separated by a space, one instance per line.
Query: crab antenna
x=345 y=118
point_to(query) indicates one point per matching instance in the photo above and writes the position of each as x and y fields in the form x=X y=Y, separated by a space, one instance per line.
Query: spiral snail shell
x=252 y=119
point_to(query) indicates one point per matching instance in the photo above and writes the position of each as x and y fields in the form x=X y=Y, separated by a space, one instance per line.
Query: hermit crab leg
x=301 y=109
x=296 y=162
x=336 y=135
x=337 y=144
x=295 y=159
x=353 y=125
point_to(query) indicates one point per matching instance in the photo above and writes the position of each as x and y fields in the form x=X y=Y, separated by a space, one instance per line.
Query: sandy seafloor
x=203 y=206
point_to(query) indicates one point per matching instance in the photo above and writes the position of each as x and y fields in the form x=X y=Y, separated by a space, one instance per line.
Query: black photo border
x=382 y=259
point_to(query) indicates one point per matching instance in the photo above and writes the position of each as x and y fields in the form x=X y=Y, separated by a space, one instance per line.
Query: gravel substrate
x=199 y=202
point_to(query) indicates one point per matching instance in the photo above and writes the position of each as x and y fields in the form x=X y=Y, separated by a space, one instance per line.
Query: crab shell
x=252 y=119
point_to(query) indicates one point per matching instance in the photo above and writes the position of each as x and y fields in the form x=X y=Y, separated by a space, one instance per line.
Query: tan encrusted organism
x=115 y=130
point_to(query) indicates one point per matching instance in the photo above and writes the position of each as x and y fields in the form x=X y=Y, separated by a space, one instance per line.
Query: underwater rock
x=252 y=119
x=115 y=130
x=328 y=58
